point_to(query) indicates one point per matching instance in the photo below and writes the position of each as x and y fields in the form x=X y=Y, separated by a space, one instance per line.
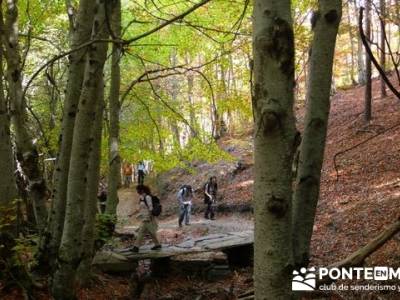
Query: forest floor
x=360 y=196
x=357 y=201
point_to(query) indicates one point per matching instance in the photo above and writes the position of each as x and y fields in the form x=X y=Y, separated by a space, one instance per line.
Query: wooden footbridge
x=238 y=246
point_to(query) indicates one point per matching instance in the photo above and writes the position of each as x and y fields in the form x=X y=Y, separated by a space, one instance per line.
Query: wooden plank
x=213 y=242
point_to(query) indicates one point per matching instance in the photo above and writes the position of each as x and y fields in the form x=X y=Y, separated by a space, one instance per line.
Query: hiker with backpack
x=149 y=209
x=185 y=195
x=210 y=197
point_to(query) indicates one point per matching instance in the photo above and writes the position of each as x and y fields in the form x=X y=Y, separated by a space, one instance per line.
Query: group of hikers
x=150 y=209
x=150 y=206
x=132 y=172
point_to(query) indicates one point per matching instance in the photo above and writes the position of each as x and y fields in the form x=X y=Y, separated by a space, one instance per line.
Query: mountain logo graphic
x=305 y=280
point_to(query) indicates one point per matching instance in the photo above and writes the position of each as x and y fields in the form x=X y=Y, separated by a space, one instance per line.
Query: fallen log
x=355 y=259
x=359 y=256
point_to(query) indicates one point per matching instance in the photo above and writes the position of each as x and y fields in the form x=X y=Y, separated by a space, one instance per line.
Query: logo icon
x=381 y=273
x=305 y=280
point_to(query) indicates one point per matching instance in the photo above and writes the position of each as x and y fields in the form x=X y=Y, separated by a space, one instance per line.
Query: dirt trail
x=168 y=228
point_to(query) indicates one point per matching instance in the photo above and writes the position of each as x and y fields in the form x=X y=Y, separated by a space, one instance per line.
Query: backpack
x=157 y=207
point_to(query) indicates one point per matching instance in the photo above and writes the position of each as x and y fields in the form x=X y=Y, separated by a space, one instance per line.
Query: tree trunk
x=360 y=56
x=82 y=145
x=174 y=96
x=191 y=100
x=27 y=153
x=114 y=157
x=82 y=31
x=8 y=188
x=351 y=36
x=382 y=5
x=273 y=52
x=93 y=176
x=9 y=263
x=368 y=64
x=316 y=122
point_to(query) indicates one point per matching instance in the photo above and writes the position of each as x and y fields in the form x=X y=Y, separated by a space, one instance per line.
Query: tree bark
x=27 y=153
x=351 y=37
x=88 y=232
x=191 y=100
x=82 y=31
x=174 y=95
x=382 y=6
x=368 y=68
x=114 y=157
x=275 y=135
x=360 y=55
x=13 y=269
x=316 y=122
x=8 y=188
x=82 y=145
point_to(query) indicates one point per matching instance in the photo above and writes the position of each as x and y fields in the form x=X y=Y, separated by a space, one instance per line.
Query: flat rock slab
x=112 y=262
x=213 y=242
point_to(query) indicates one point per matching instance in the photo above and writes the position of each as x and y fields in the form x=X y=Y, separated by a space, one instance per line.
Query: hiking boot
x=156 y=247
x=134 y=249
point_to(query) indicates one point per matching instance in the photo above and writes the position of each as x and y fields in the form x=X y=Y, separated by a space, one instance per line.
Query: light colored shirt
x=145 y=208
x=184 y=199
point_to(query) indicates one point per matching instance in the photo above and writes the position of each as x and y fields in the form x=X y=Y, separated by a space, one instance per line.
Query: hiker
x=210 y=197
x=127 y=171
x=185 y=196
x=141 y=172
x=147 y=217
x=102 y=197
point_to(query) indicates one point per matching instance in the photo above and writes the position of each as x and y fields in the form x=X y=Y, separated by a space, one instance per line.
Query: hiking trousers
x=147 y=227
x=140 y=177
x=209 y=213
x=184 y=213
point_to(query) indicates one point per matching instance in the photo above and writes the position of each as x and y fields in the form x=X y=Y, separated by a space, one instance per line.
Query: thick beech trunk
x=69 y=255
x=81 y=33
x=275 y=134
x=93 y=176
x=316 y=122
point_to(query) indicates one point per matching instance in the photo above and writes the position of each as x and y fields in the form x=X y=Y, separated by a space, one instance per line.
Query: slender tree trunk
x=27 y=153
x=191 y=100
x=351 y=36
x=174 y=96
x=360 y=55
x=224 y=94
x=368 y=64
x=114 y=157
x=192 y=113
x=88 y=232
x=82 y=145
x=382 y=5
x=215 y=119
x=316 y=122
x=81 y=33
x=273 y=98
